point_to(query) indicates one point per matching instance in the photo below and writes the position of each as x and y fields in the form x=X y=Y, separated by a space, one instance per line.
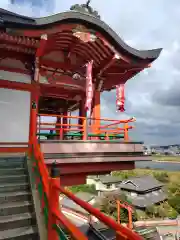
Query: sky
x=153 y=96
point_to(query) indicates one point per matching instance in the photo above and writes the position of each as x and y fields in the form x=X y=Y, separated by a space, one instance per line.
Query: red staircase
x=57 y=223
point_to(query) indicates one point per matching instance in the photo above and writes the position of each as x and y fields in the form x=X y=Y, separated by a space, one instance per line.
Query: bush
x=125 y=174
x=150 y=211
x=108 y=205
x=83 y=188
x=161 y=176
x=174 y=202
x=172 y=214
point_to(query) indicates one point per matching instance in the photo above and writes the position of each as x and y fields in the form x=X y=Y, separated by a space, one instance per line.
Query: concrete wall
x=14 y=115
x=100 y=186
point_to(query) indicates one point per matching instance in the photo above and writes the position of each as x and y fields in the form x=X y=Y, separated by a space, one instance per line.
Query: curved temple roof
x=9 y=20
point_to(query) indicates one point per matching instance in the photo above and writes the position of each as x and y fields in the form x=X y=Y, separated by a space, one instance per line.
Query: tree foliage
x=83 y=188
x=108 y=205
x=174 y=202
x=161 y=176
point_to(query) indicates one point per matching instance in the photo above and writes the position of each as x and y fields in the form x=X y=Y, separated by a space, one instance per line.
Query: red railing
x=50 y=190
x=13 y=147
x=86 y=127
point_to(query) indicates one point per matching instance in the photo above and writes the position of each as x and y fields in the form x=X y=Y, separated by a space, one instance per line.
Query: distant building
x=106 y=183
x=143 y=191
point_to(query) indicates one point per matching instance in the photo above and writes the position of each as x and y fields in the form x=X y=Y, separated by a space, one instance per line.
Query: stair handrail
x=59 y=216
x=108 y=221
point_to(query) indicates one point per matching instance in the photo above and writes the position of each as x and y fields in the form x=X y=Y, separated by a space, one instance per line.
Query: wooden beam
x=12 y=54
x=51 y=91
x=16 y=85
x=105 y=65
x=60 y=65
x=59 y=80
x=20 y=40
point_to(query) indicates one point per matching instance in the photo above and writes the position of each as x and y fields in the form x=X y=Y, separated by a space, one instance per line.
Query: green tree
x=150 y=211
x=161 y=176
x=174 y=189
x=161 y=211
x=108 y=205
x=125 y=174
x=174 y=202
x=83 y=188
x=172 y=214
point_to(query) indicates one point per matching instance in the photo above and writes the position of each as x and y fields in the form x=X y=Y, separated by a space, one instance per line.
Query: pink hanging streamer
x=89 y=86
x=120 y=98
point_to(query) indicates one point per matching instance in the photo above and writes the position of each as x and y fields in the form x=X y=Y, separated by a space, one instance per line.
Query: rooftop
x=148 y=199
x=107 y=179
x=76 y=35
x=140 y=184
x=67 y=203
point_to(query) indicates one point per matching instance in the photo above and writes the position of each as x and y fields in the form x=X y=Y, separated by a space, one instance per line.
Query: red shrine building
x=54 y=66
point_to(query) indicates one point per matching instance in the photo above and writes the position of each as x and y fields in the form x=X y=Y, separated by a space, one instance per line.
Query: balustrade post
x=54 y=183
x=118 y=212
x=85 y=133
x=33 y=125
x=126 y=137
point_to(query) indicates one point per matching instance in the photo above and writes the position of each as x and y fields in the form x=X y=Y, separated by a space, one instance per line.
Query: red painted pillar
x=65 y=121
x=96 y=112
x=54 y=206
x=59 y=127
x=82 y=119
x=33 y=118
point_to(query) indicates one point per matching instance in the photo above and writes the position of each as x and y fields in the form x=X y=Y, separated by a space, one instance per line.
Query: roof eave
x=86 y=19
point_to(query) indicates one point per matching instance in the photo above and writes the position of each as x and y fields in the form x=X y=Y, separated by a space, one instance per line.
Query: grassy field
x=173 y=177
x=166 y=158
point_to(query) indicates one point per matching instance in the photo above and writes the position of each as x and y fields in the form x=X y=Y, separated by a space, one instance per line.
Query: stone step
x=11 y=208
x=17 y=221
x=14 y=179
x=12 y=159
x=15 y=196
x=12 y=171
x=12 y=187
x=23 y=233
x=12 y=164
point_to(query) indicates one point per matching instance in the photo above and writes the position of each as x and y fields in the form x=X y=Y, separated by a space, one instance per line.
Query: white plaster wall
x=14 y=115
x=90 y=181
x=15 y=77
x=100 y=186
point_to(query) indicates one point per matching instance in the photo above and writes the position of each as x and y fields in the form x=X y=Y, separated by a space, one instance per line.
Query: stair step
x=13 y=178
x=15 y=196
x=17 y=221
x=23 y=233
x=15 y=164
x=12 y=187
x=19 y=159
x=12 y=208
x=12 y=171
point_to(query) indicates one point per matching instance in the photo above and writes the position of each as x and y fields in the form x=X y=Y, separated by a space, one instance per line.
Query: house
x=69 y=204
x=104 y=183
x=143 y=191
